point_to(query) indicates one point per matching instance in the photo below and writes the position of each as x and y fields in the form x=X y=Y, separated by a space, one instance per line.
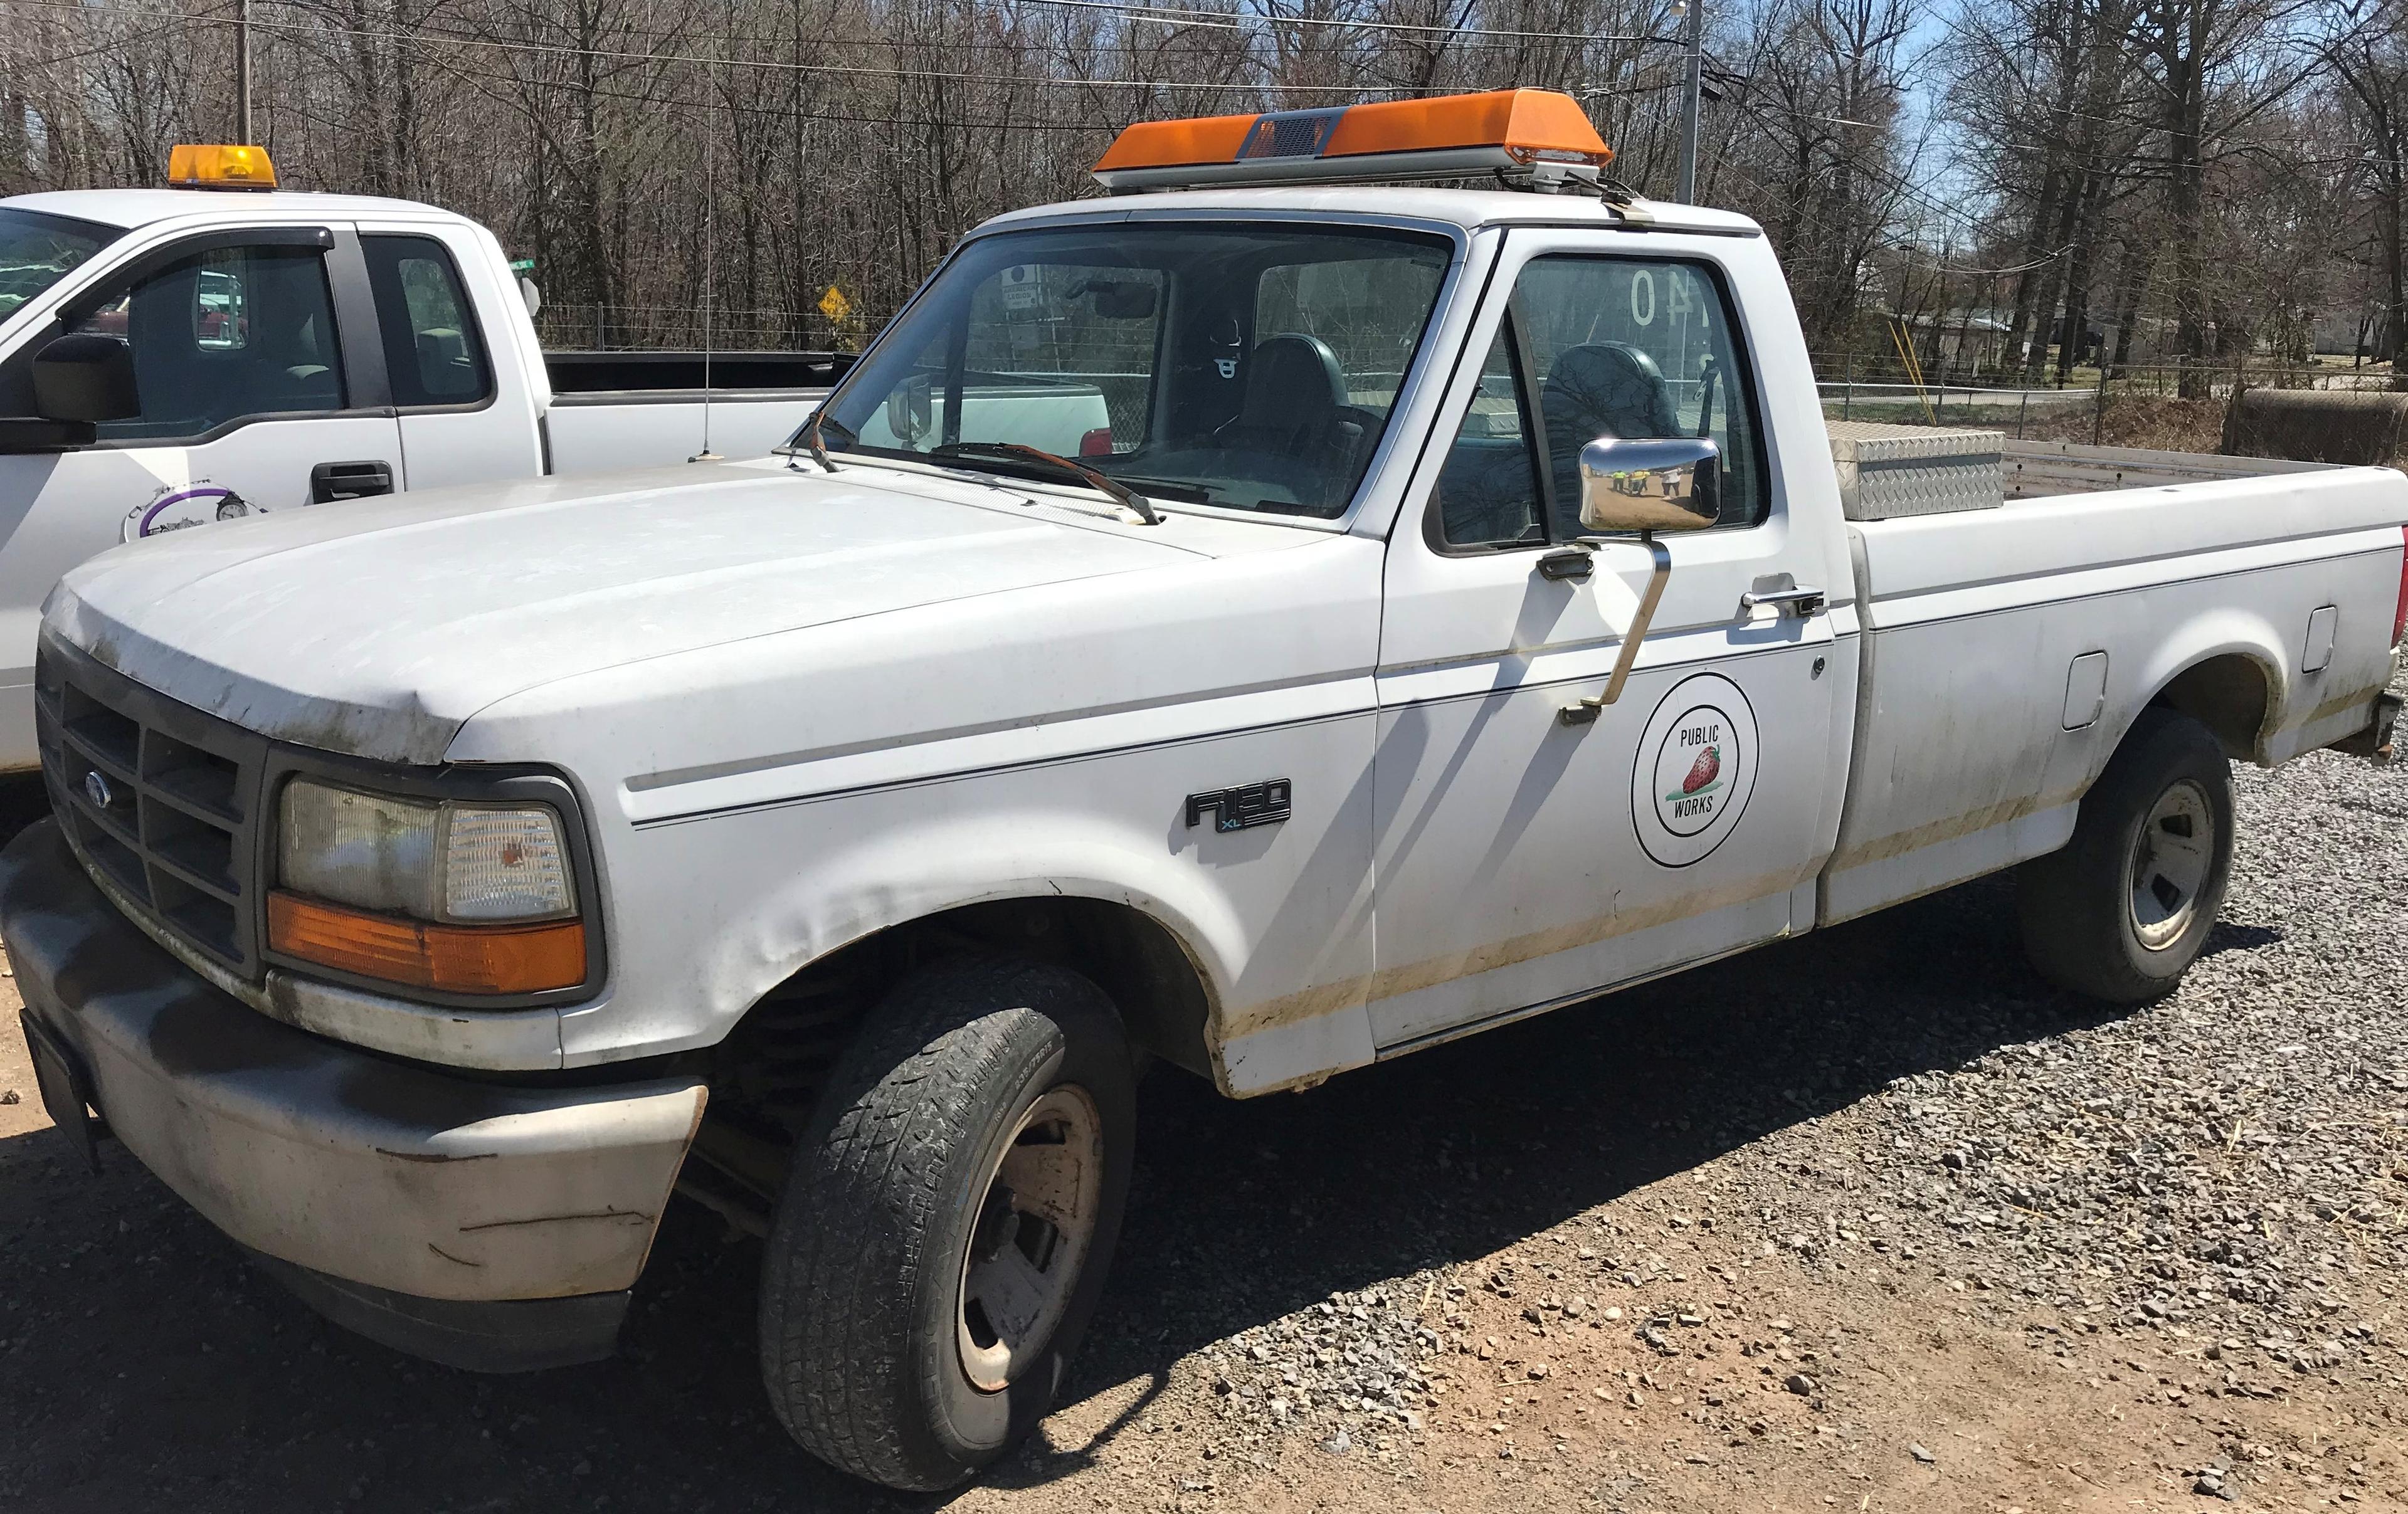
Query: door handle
x=332 y=482
x=1800 y=602
x=1561 y=566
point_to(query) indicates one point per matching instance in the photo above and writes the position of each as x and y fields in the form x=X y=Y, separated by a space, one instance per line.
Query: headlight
x=489 y=902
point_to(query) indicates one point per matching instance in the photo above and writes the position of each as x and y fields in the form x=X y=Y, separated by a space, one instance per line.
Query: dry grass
x=2158 y=423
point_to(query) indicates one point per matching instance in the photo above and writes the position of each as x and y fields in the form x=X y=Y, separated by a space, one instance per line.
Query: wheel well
x=2227 y=694
x=765 y=1076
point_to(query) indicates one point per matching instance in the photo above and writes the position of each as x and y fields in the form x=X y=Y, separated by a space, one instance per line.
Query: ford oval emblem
x=96 y=788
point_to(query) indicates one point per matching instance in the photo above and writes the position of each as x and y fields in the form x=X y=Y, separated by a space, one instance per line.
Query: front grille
x=160 y=798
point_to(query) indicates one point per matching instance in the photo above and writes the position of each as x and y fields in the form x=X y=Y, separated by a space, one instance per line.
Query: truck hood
x=377 y=628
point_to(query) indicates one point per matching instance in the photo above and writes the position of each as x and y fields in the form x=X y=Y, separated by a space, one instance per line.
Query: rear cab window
x=434 y=353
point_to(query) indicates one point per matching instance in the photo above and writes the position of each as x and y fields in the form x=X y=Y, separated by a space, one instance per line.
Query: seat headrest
x=1292 y=381
x=1607 y=387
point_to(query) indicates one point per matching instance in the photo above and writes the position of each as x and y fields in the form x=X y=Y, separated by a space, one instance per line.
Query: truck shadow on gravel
x=141 y=1361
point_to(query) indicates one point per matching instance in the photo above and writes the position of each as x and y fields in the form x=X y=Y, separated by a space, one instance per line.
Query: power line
x=1143 y=12
x=1233 y=20
x=420 y=36
x=785 y=113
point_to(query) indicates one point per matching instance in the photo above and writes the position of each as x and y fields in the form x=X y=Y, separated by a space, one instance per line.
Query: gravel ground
x=1871 y=1219
x=2210 y=1194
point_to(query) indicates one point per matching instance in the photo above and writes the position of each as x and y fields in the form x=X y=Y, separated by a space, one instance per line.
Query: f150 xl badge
x=1234 y=809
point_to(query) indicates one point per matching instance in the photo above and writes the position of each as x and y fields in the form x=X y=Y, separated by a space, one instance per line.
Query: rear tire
x=2123 y=911
x=944 y=1238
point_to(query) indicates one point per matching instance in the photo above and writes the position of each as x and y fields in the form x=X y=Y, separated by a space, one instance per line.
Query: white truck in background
x=176 y=357
x=1463 y=618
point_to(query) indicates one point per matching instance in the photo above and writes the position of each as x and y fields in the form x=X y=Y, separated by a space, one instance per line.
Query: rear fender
x=2203 y=669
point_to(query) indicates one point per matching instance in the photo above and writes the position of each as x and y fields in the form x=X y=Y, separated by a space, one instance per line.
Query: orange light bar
x=1450 y=135
x=458 y=959
x=220 y=166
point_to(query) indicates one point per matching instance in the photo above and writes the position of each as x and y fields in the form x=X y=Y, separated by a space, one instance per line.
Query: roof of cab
x=128 y=208
x=1469 y=209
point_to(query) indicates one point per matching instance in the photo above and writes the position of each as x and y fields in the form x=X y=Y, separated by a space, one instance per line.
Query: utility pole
x=1693 y=24
x=242 y=72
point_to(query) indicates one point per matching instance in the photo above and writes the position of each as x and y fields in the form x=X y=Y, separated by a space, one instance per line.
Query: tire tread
x=838 y=1274
x=2070 y=905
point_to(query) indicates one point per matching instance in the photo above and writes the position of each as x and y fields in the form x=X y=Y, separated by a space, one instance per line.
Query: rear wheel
x=2123 y=911
x=942 y=1240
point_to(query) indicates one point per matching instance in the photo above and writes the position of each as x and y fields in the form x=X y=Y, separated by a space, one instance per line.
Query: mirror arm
x=819 y=447
x=1587 y=712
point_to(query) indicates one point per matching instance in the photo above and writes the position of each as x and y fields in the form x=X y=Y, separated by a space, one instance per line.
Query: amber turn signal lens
x=456 y=959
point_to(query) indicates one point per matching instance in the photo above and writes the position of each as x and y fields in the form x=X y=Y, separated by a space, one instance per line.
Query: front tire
x=944 y=1238
x=2124 y=909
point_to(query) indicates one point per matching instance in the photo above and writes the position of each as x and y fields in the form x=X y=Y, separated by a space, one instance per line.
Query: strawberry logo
x=1699 y=767
x=1703 y=771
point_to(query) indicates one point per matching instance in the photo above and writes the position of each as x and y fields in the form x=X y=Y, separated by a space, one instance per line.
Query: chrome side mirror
x=1659 y=483
x=1663 y=483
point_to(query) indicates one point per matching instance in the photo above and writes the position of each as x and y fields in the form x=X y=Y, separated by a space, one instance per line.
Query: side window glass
x=434 y=353
x=224 y=335
x=1638 y=348
x=1488 y=488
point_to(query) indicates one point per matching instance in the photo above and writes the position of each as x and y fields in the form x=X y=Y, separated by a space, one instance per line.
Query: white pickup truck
x=175 y=357
x=1462 y=621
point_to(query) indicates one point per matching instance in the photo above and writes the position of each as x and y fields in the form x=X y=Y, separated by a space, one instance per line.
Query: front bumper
x=473 y=1222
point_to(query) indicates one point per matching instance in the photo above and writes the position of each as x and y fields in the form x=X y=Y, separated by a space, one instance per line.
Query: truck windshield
x=37 y=251
x=1245 y=367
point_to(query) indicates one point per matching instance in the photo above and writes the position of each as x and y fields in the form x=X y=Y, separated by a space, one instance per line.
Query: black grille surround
x=162 y=801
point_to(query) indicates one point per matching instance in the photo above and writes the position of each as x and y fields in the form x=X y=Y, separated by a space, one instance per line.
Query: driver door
x=1531 y=848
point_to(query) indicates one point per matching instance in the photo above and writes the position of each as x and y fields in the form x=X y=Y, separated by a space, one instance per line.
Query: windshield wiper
x=1103 y=482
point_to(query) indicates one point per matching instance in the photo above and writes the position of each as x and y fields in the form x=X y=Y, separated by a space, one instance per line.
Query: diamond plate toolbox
x=1888 y=470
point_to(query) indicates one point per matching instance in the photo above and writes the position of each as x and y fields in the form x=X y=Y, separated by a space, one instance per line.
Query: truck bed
x=2035 y=469
x=612 y=410
x=1993 y=639
x=577 y=374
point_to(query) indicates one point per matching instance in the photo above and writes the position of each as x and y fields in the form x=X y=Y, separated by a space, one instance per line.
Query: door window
x=226 y=336
x=1615 y=346
x=1489 y=491
x=1633 y=347
x=433 y=350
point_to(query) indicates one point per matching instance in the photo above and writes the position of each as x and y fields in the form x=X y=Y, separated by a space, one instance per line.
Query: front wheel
x=2123 y=911
x=944 y=1238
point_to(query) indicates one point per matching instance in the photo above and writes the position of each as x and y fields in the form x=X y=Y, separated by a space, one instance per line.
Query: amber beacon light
x=220 y=167
x=1453 y=136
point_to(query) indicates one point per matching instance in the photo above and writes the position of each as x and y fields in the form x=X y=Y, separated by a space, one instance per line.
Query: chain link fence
x=650 y=328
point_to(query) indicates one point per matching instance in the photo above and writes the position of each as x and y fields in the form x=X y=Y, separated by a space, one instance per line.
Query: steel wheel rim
x=1035 y=1221
x=2172 y=859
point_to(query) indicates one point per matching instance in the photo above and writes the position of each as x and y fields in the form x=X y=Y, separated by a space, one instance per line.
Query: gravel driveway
x=1870 y=1219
